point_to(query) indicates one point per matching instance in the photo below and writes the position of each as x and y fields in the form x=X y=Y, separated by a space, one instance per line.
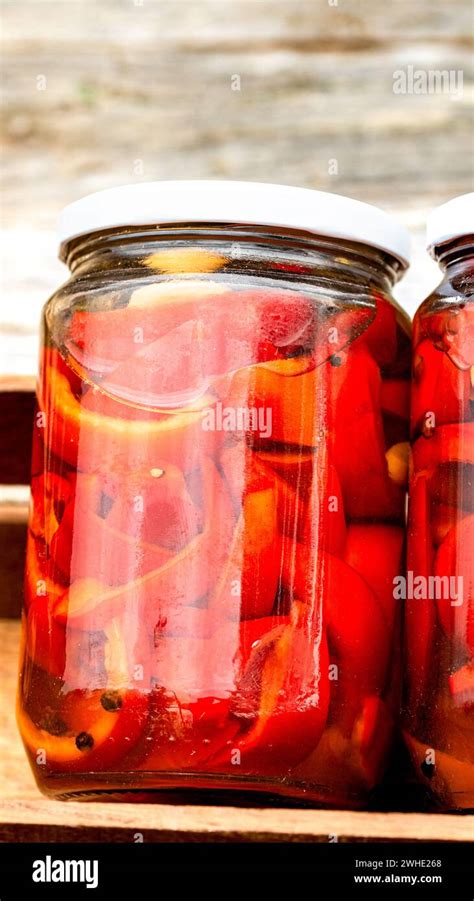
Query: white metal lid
x=254 y=203
x=451 y=220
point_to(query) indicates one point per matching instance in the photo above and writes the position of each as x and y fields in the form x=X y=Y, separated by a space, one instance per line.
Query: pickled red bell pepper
x=39 y=573
x=442 y=390
x=358 y=637
x=282 y=698
x=325 y=521
x=344 y=762
x=45 y=637
x=94 y=440
x=86 y=545
x=181 y=580
x=356 y=439
x=447 y=444
x=454 y=561
x=183 y=338
x=420 y=614
x=98 y=731
x=444 y=517
x=376 y=553
x=108 y=337
x=247 y=585
x=381 y=335
x=452 y=331
x=51 y=493
x=289 y=389
x=117 y=535
x=395 y=398
x=184 y=736
x=89 y=548
x=155 y=506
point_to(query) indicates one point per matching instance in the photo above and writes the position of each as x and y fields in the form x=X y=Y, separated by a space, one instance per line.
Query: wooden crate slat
x=95 y=821
x=17 y=404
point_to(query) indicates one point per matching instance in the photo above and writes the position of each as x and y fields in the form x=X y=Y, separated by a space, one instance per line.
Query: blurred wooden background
x=103 y=92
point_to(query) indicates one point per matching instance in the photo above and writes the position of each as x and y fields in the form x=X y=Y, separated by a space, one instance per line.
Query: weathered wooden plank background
x=103 y=92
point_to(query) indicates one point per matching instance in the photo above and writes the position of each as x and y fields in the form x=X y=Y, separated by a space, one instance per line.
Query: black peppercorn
x=84 y=741
x=111 y=700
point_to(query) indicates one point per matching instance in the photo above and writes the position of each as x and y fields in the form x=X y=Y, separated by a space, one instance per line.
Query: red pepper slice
x=112 y=336
x=372 y=738
x=356 y=439
x=285 y=318
x=454 y=563
x=92 y=441
x=182 y=580
x=376 y=553
x=245 y=472
x=45 y=637
x=38 y=573
x=183 y=736
x=381 y=335
x=441 y=390
x=173 y=370
x=284 y=691
x=248 y=583
x=420 y=616
x=86 y=547
x=395 y=397
x=337 y=331
x=452 y=330
x=447 y=444
x=344 y=763
x=358 y=635
x=444 y=517
x=50 y=493
x=302 y=323
x=461 y=686
x=325 y=524
x=287 y=388
x=111 y=729
x=155 y=507
x=310 y=504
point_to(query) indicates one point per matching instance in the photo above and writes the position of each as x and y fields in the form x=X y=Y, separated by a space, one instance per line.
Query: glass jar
x=439 y=720
x=218 y=489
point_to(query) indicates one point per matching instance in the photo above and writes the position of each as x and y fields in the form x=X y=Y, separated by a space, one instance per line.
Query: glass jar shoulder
x=454 y=292
x=276 y=308
x=446 y=319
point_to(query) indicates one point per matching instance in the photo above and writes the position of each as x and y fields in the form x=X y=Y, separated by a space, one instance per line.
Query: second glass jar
x=439 y=703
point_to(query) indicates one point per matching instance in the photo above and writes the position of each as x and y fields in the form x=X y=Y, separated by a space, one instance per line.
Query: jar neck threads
x=459 y=252
x=260 y=250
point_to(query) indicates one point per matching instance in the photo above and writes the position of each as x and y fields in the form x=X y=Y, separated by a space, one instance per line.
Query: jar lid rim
x=453 y=219
x=251 y=203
